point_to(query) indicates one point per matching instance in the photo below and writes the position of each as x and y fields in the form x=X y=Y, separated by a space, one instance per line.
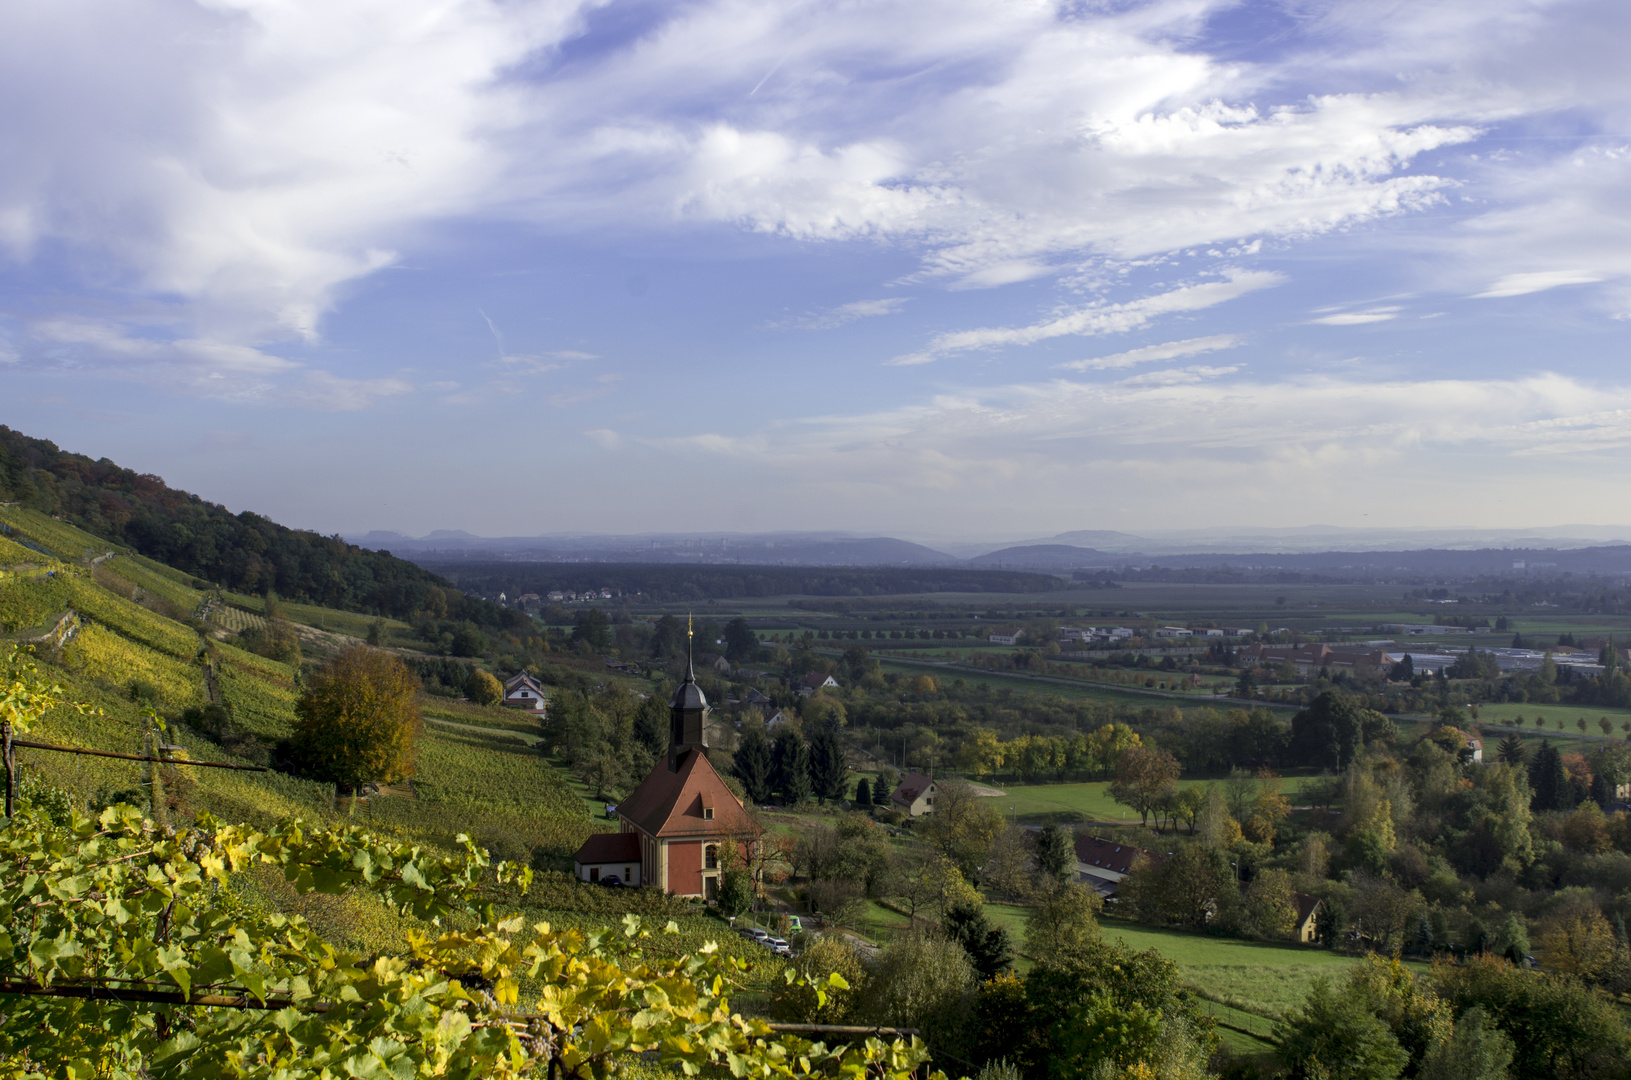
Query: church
x=677 y=829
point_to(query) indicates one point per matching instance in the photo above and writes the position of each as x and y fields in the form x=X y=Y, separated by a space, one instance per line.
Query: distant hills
x=777 y=549
x=1442 y=552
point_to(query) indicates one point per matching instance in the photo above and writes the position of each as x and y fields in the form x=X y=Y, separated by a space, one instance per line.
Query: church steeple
x=687 y=713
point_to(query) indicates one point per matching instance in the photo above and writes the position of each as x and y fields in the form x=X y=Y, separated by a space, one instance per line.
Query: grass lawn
x=1251 y=976
x=1041 y=803
x=879 y=923
x=1508 y=712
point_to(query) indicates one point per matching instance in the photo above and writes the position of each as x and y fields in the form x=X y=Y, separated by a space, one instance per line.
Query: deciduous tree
x=1143 y=778
x=358 y=720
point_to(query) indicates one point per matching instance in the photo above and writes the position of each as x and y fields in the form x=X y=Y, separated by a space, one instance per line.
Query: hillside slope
x=124 y=634
x=243 y=552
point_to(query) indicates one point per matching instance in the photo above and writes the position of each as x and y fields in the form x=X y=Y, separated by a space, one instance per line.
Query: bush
x=927 y=983
x=483 y=688
x=827 y=955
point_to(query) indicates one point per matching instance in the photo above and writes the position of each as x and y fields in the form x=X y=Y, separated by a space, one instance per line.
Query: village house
x=681 y=827
x=1173 y=632
x=1007 y=635
x=914 y=795
x=523 y=692
x=814 y=681
x=1103 y=864
x=1306 y=927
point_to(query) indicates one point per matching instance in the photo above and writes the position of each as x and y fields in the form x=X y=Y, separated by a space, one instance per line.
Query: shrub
x=483 y=688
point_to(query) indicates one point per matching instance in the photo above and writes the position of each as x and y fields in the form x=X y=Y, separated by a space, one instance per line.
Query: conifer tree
x=863 y=794
x=988 y=947
x=828 y=771
x=754 y=764
x=792 y=768
x=1055 y=856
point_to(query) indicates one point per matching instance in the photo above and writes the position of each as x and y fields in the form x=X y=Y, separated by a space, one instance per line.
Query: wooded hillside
x=244 y=552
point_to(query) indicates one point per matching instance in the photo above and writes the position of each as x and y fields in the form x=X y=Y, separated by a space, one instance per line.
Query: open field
x=1053 y=685
x=1255 y=976
x=1040 y=803
x=1508 y=712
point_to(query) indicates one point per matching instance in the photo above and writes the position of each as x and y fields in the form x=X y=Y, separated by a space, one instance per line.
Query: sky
x=954 y=269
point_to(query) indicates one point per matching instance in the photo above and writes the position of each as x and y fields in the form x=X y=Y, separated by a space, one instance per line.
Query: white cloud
x=326 y=392
x=1183 y=447
x=1358 y=318
x=1537 y=281
x=1102 y=318
x=843 y=314
x=1172 y=350
x=606 y=438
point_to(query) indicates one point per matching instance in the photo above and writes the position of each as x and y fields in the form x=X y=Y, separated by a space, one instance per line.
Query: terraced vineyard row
x=104 y=656
x=131 y=619
x=60 y=538
x=235 y=619
x=142 y=572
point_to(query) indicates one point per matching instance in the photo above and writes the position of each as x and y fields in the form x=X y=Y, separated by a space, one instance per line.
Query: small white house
x=816 y=680
x=523 y=692
x=611 y=854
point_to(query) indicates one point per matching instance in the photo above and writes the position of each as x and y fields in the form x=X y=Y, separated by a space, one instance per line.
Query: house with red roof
x=682 y=826
x=1104 y=863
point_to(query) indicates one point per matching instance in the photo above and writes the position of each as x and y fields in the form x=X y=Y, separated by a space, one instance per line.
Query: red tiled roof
x=669 y=804
x=609 y=847
x=1109 y=855
x=815 y=680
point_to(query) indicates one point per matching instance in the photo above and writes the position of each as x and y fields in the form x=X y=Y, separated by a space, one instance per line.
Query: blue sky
x=938 y=270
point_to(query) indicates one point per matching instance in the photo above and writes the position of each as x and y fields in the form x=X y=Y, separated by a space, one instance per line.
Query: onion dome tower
x=687 y=713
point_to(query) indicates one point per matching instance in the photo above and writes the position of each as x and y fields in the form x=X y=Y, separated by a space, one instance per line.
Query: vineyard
x=33 y=601
x=15 y=554
x=235 y=619
x=131 y=619
x=58 y=537
x=260 y=707
x=157 y=579
x=484 y=781
x=116 y=662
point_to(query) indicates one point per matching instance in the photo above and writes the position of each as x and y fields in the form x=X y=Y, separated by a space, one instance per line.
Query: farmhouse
x=1006 y=635
x=1102 y=864
x=816 y=680
x=683 y=823
x=914 y=795
x=523 y=692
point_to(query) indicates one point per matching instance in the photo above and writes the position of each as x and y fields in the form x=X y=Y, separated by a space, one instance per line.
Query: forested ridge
x=243 y=552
